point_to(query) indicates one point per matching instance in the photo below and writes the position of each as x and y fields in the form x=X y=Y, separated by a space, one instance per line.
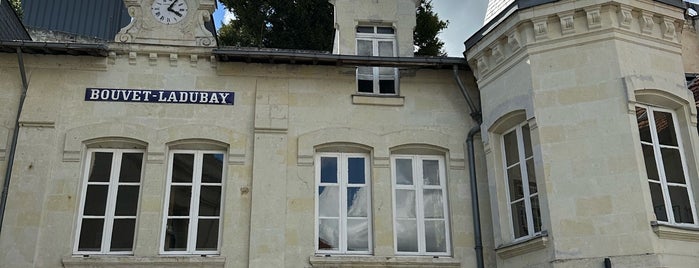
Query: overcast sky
x=465 y=18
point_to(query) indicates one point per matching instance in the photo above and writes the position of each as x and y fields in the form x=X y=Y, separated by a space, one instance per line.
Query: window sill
x=674 y=232
x=376 y=261
x=532 y=244
x=376 y=99
x=132 y=261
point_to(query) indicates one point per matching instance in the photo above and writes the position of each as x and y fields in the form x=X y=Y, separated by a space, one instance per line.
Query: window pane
x=366 y=72
x=365 y=86
x=672 y=163
x=210 y=201
x=404 y=172
x=365 y=29
x=514 y=181
x=511 y=148
x=95 y=200
x=387 y=86
x=127 y=201
x=643 y=126
x=433 y=206
x=526 y=137
x=123 y=234
x=386 y=48
x=536 y=213
x=384 y=30
x=357 y=202
x=91 y=235
x=176 y=235
x=430 y=172
x=666 y=128
x=364 y=48
x=101 y=167
x=649 y=158
x=519 y=219
x=357 y=235
x=180 y=198
x=130 y=170
x=328 y=235
x=212 y=168
x=531 y=176
x=406 y=235
x=681 y=208
x=328 y=169
x=328 y=201
x=656 y=194
x=405 y=204
x=435 y=236
x=356 y=170
x=182 y=167
x=207 y=234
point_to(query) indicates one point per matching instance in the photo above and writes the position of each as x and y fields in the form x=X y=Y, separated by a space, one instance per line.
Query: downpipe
x=15 y=135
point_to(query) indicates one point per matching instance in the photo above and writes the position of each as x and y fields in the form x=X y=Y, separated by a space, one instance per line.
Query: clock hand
x=172 y=10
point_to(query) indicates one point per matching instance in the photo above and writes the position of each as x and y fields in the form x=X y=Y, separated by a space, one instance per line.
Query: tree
x=308 y=24
x=17 y=6
x=300 y=24
x=427 y=28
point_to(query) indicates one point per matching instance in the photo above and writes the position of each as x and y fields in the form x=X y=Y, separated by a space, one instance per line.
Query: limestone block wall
x=282 y=115
x=9 y=99
x=573 y=71
x=690 y=45
x=397 y=14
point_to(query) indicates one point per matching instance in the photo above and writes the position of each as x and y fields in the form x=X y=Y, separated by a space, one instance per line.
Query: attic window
x=375 y=30
x=379 y=42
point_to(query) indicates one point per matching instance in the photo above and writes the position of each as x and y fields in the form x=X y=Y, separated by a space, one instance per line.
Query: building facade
x=567 y=137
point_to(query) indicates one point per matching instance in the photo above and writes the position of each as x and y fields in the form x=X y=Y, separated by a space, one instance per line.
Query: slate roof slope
x=11 y=27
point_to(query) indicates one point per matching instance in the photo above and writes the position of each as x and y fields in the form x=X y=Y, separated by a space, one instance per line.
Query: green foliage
x=426 y=30
x=300 y=24
x=308 y=24
x=17 y=6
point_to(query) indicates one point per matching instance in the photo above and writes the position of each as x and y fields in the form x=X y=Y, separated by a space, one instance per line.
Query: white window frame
x=661 y=167
x=113 y=186
x=527 y=196
x=343 y=184
x=193 y=217
x=418 y=186
x=375 y=38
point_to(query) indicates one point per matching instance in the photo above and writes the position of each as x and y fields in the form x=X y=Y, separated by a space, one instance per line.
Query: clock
x=169 y=11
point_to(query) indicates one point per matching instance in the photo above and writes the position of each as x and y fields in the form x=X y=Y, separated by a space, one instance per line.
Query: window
x=665 y=166
x=193 y=202
x=420 y=214
x=523 y=202
x=109 y=197
x=376 y=41
x=343 y=204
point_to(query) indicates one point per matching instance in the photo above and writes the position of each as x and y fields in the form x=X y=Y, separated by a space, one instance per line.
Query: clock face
x=169 y=11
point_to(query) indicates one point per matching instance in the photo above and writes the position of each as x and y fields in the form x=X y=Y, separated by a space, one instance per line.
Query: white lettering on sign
x=158 y=96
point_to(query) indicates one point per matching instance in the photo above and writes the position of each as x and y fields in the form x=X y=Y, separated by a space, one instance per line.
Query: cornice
x=564 y=22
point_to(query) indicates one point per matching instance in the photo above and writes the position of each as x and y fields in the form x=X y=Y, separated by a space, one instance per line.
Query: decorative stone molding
x=625 y=17
x=482 y=65
x=138 y=262
x=381 y=261
x=191 y=31
x=567 y=20
x=541 y=28
x=675 y=232
x=496 y=52
x=173 y=59
x=668 y=28
x=646 y=22
x=513 y=40
x=594 y=18
x=522 y=247
x=362 y=99
x=153 y=58
x=132 y=58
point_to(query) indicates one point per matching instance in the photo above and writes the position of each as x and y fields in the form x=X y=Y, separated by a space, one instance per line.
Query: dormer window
x=376 y=41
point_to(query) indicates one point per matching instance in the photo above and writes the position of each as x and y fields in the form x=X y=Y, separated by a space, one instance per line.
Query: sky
x=465 y=18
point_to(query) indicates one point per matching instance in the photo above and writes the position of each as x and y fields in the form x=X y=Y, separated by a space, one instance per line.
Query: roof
x=524 y=4
x=53 y=48
x=306 y=57
x=101 y=19
x=11 y=27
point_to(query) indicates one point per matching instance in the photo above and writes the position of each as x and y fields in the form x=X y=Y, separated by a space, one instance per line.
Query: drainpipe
x=15 y=134
x=475 y=208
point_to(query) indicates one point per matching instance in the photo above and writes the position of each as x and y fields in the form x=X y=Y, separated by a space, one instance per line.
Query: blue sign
x=159 y=96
